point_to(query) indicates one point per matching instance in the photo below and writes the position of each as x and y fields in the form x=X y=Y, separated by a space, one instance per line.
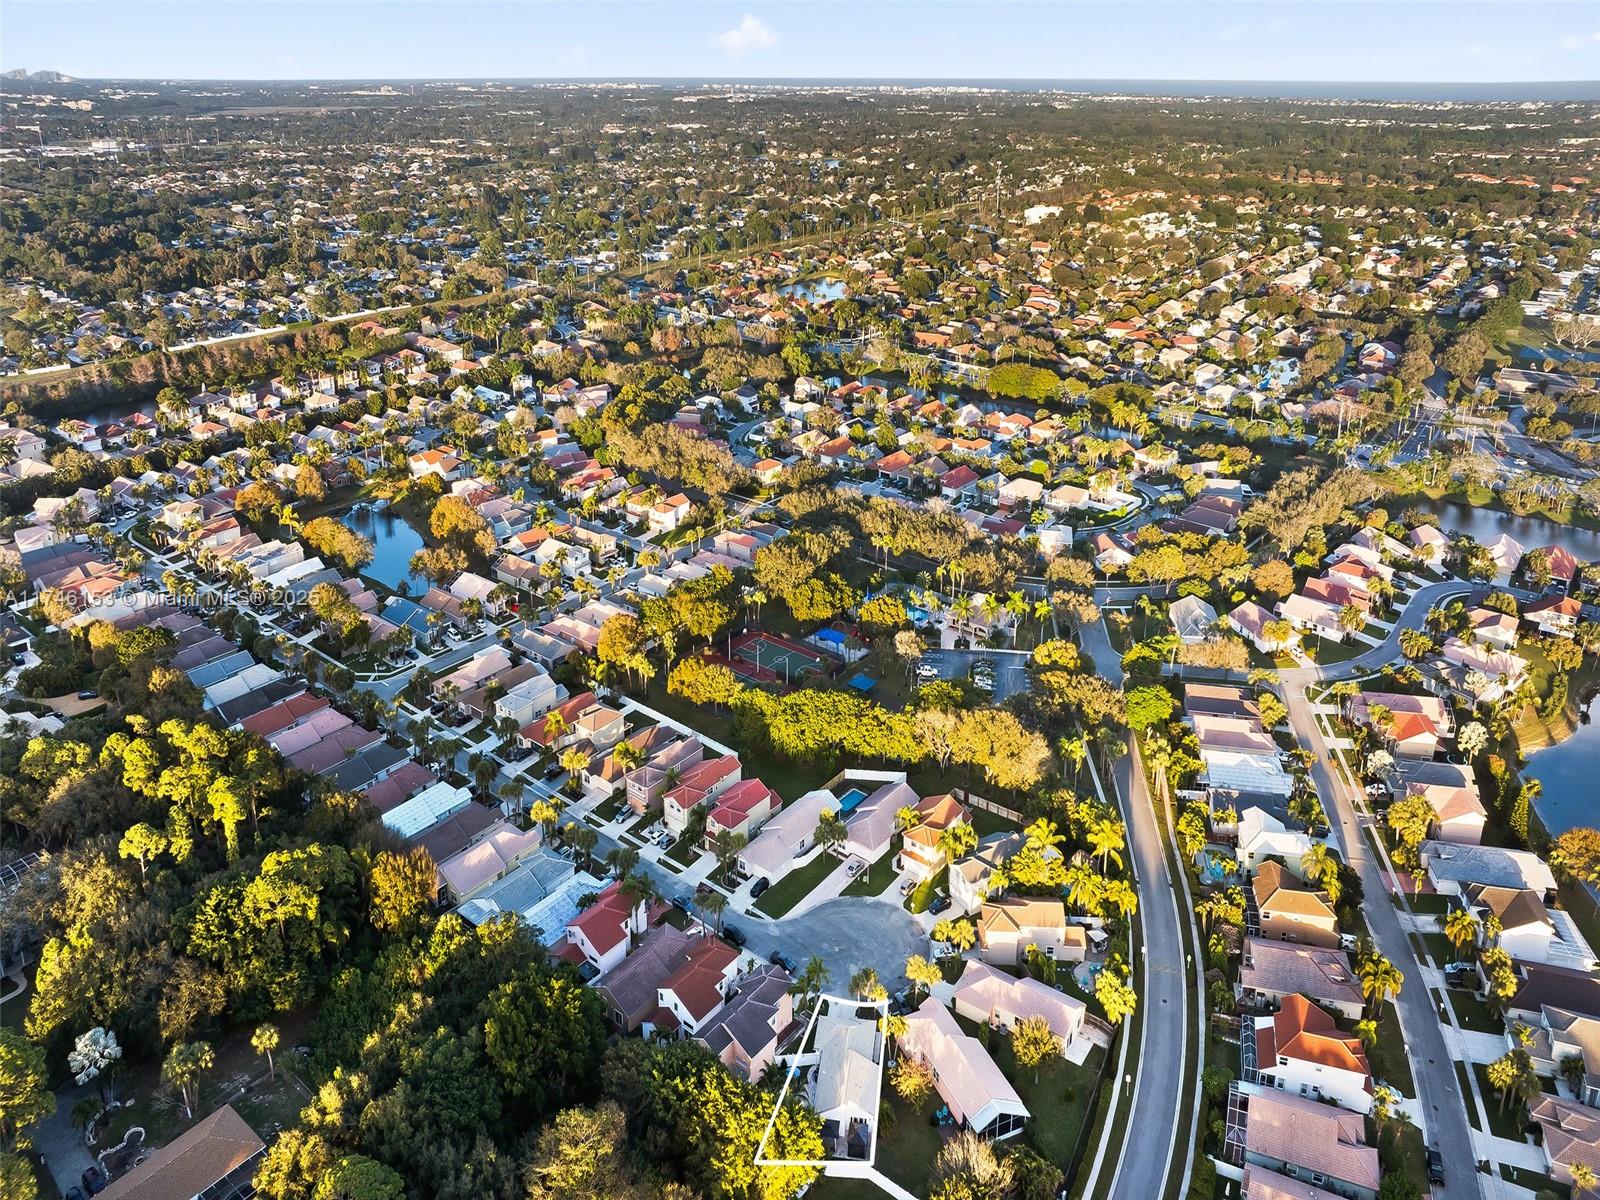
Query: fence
x=990 y=806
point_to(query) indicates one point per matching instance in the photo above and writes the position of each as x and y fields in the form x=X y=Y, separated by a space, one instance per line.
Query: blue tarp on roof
x=863 y=683
x=829 y=635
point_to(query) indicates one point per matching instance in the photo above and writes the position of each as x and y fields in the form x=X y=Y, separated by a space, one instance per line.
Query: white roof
x=774 y=847
x=426 y=809
x=847 y=1066
x=967 y=1077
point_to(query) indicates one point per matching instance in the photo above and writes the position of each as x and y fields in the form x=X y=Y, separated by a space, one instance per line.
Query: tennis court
x=785 y=659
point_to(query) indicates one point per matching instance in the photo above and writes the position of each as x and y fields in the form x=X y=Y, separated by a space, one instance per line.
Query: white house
x=1300 y=1049
x=1263 y=836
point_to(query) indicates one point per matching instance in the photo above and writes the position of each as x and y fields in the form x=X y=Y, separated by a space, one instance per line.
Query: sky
x=1257 y=40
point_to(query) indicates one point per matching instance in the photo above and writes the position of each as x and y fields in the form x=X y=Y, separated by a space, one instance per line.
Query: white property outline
x=846 y=1168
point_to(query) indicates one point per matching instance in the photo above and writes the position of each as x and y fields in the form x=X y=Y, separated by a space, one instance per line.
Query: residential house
x=603 y=932
x=1310 y=1142
x=745 y=1032
x=973 y=1087
x=697 y=990
x=870 y=827
x=1289 y=911
x=216 y=1156
x=1555 y=617
x=1262 y=837
x=699 y=784
x=787 y=839
x=1451 y=868
x=969 y=877
x=1193 y=620
x=1009 y=925
x=1570 y=1135
x=742 y=809
x=1300 y=1049
x=998 y=1000
x=921 y=854
x=846 y=1082
x=1272 y=971
x=630 y=990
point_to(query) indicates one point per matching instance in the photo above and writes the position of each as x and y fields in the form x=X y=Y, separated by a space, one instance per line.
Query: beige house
x=1289 y=911
x=1008 y=926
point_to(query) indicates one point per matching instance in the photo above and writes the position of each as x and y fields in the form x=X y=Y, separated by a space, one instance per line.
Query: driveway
x=848 y=933
x=60 y=1143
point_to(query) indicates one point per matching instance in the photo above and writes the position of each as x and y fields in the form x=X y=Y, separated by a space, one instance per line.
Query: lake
x=394 y=541
x=1485 y=524
x=815 y=291
x=1567 y=771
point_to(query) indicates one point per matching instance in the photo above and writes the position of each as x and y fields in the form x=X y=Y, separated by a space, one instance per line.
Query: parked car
x=94 y=1180
x=1435 y=1166
x=73 y=1193
x=88 y=694
x=779 y=959
x=759 y=886
x=734 y=935
x=940 y=903
x=679 y=903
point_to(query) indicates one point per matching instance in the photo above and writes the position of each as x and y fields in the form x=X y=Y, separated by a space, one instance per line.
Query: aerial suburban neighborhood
x=695 y=640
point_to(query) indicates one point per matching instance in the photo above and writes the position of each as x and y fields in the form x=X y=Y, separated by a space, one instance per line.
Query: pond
x=394 y=541
x=1485 y=524
x=1567 y=771
x=814 y=291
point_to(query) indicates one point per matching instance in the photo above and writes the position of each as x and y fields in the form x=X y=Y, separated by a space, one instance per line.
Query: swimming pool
x=848 y=801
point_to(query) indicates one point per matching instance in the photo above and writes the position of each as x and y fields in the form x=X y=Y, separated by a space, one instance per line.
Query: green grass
x=922 y=895
x=1431 y=903
x=1505 y=1120
x=1439 y=948
x=1541 y=1185
x=685 y=850
x=1401 y=1152
x=875 y=880
x=1464 y=1082
x=1058 y=1100
x=1337 y=652
x=797 y=885
x=1390 y=1062
x=906 y=1151
x=607 y=811
x=1474 y=1013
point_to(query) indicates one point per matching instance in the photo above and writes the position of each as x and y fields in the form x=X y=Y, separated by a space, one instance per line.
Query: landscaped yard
x=1058 y=1099
x=906 y=1150
x=1506 y=1119
x=875 y=880
x=922 y=895
x=797 y=885
x=1474 y=1013
x=1389 y=1060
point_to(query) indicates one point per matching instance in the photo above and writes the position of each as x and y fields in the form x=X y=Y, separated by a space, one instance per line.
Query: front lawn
x=1508 y=1118
x=875 y=880
x=922 y=895
x=797 y=885
x=1390 y=1062
x=1474 y=1013
x=1058 y=1098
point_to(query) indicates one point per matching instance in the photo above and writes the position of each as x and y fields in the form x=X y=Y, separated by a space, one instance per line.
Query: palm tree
x=1584 y=1179
x=1461 y=928
x=264 y=1041
x=1380 y=979
x=583 y=839
x=183 y=1068
x=866 y=985
x=922 y=974
x=812 y=979
x=713 y=903
x=622 y=860
x=727 y=845
x=1043 y=834
x=1107 y=838
x=958 y=840
x=830 y=831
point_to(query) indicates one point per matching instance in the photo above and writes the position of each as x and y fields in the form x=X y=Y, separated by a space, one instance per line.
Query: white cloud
x=575 y=56
x=1577 y=41
x=751 y=33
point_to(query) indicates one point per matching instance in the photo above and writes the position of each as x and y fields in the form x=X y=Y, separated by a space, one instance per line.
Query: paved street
x=1440 y=1100
x=848 y=933
x=1157 y=1125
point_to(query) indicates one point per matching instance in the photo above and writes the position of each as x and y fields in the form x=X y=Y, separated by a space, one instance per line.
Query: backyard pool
x=849 y=801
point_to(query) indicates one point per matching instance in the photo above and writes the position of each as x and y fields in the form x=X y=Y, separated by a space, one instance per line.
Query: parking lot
x=1010 y=668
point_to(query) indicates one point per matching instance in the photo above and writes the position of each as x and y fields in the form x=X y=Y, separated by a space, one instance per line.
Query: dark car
x=553 y=770
x=940 y=903
x=1435 y=1167
x=733 y=935
x=679 y=903
x=779 y=959
x=73 y=1193
x=94 y=1180
x=88 y=694
x=758 y=887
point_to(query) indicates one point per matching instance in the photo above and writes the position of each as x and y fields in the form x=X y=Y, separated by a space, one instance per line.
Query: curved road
x=1439 y=1094
x=1157 y=1123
